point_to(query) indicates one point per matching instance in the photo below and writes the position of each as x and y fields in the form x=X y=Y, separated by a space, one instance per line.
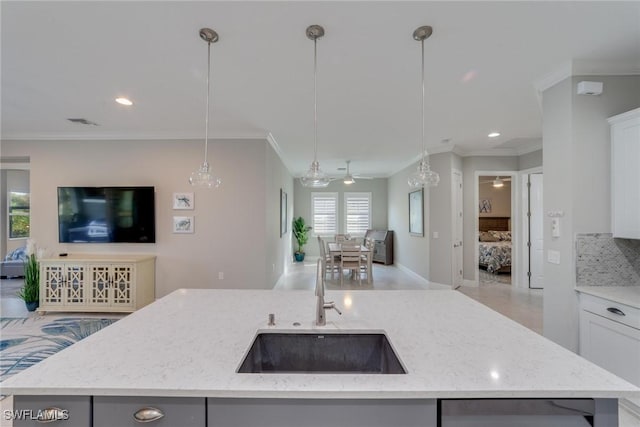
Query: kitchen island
x=190 y=344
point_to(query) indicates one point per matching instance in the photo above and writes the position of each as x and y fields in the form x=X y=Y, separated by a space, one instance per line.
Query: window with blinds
x=357 y=213
x=324 y=211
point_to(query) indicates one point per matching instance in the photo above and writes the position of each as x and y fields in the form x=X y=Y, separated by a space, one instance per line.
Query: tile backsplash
x=602 y=260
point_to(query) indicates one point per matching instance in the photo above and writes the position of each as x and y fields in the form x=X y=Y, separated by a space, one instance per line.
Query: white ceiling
x=71 y=59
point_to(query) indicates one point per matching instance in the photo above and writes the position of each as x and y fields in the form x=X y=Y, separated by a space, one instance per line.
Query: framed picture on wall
x=183 y=224
x=416 y=213
x=183 y=201
x=283 y=212
x=485 y=206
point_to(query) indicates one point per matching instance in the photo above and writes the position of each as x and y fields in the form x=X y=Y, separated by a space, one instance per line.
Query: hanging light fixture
x=348 y=178
x=497 y=183
x=203 y=177
x=314 y=177
x=424 y=176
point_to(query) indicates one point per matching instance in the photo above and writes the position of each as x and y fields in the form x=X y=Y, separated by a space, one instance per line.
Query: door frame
x=516 y=226
x=453 y=226
x=524 y=250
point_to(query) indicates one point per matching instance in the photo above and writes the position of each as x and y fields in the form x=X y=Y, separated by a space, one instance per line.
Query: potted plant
x=30 y=291
x=301 y=233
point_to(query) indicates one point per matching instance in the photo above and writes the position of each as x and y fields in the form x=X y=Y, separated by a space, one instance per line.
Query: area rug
x=26 y=341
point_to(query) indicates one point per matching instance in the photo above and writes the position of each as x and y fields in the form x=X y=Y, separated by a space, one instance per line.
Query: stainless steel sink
x=349 y=353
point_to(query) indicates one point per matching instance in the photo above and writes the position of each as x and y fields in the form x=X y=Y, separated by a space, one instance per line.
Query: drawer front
x=176 y=411
x=67 y=411
x=621 y=313
x=322 y=412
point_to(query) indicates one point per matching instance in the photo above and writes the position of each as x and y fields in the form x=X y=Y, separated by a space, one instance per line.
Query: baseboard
x=421 y=279
x=470 y=283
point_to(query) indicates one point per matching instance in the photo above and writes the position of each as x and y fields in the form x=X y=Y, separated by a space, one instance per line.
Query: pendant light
x=424 y=176
x=203 y=177
x=314 y=177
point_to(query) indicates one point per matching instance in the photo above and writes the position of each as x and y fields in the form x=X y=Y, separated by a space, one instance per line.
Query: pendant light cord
x=423 y=141
x=315 y=99
x=206 y=120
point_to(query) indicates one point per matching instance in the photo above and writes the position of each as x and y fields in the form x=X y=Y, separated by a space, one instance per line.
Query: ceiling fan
x=350 y=179
x=497 y=182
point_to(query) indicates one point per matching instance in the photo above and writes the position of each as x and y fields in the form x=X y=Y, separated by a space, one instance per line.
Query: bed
x=494 y=244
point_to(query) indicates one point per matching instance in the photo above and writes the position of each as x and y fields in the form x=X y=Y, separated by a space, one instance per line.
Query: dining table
x=335 y=250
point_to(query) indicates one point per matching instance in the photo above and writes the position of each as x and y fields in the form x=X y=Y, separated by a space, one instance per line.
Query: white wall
x=577 y=157
x=233 y=224
x=377 y=187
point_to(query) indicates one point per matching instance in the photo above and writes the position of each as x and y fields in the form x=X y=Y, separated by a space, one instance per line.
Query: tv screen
x=106 y=214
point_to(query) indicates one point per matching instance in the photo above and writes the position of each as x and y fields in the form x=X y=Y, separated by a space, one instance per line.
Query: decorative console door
x=111 y=286
x=64 y=285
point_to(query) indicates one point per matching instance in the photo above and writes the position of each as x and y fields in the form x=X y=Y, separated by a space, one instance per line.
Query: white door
x=536 y=233
x=456 y=258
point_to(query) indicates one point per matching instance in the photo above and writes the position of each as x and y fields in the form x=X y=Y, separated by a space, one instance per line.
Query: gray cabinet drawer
x=68 y=411
x=178 y=411
x=321 y=413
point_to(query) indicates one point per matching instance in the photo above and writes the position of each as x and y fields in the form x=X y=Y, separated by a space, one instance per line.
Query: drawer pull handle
x=52 y=414
x=147 y=415
x=616 y=311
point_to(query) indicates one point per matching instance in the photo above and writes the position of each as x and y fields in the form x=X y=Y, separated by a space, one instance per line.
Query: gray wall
x=577 y=159
x=530 y=160
x=234 y=224
x=302 y=207
x=411 y=252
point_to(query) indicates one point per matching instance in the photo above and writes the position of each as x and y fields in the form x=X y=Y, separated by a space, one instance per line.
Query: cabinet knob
x=52 y=414
x=147 y=415
x=616 y=311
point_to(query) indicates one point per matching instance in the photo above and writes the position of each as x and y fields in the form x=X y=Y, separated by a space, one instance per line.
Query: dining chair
x=351 y=259
x=328 y=262
x=341 y=238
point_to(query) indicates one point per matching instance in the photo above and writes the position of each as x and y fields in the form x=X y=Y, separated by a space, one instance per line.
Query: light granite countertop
x=191 y=342
x=628 y=295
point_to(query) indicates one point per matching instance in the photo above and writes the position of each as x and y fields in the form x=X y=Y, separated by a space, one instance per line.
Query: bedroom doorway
x=495 y=227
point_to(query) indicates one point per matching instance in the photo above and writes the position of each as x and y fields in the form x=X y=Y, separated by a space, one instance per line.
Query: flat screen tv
x=106 y=215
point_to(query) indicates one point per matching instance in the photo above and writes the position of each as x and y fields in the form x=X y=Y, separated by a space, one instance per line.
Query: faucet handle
x=331 y=304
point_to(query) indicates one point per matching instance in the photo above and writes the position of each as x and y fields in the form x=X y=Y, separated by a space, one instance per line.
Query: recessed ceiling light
x=124 y=101
x=493 y=134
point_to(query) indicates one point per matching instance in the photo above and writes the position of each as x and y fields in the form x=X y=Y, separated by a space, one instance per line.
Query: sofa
x=13 y=263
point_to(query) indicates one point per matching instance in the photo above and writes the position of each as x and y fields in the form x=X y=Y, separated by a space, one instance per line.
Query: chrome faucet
x=321 y=306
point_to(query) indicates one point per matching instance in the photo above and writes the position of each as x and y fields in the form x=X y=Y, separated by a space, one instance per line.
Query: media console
x=97 y=282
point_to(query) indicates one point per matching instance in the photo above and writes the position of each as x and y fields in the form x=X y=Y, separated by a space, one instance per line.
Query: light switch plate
x=553 y=257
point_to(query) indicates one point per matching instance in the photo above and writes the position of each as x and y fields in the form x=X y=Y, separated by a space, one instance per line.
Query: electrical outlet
x=220 y=275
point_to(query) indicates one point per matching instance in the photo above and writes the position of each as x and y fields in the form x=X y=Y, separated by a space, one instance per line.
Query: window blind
x=357 y=213
x=324 y=210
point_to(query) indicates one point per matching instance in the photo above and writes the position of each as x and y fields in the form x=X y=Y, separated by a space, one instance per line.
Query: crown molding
x=579 y=67
x=136 y=136
x=554 y=77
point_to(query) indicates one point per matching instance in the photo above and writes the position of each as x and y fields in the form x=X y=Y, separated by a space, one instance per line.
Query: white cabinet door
x=611 y=345
x=63 y=285
x=625 y=174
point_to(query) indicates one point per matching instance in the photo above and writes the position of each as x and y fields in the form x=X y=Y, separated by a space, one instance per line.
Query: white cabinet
x=625 y=174
x=97 y=282
x=610 y=336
